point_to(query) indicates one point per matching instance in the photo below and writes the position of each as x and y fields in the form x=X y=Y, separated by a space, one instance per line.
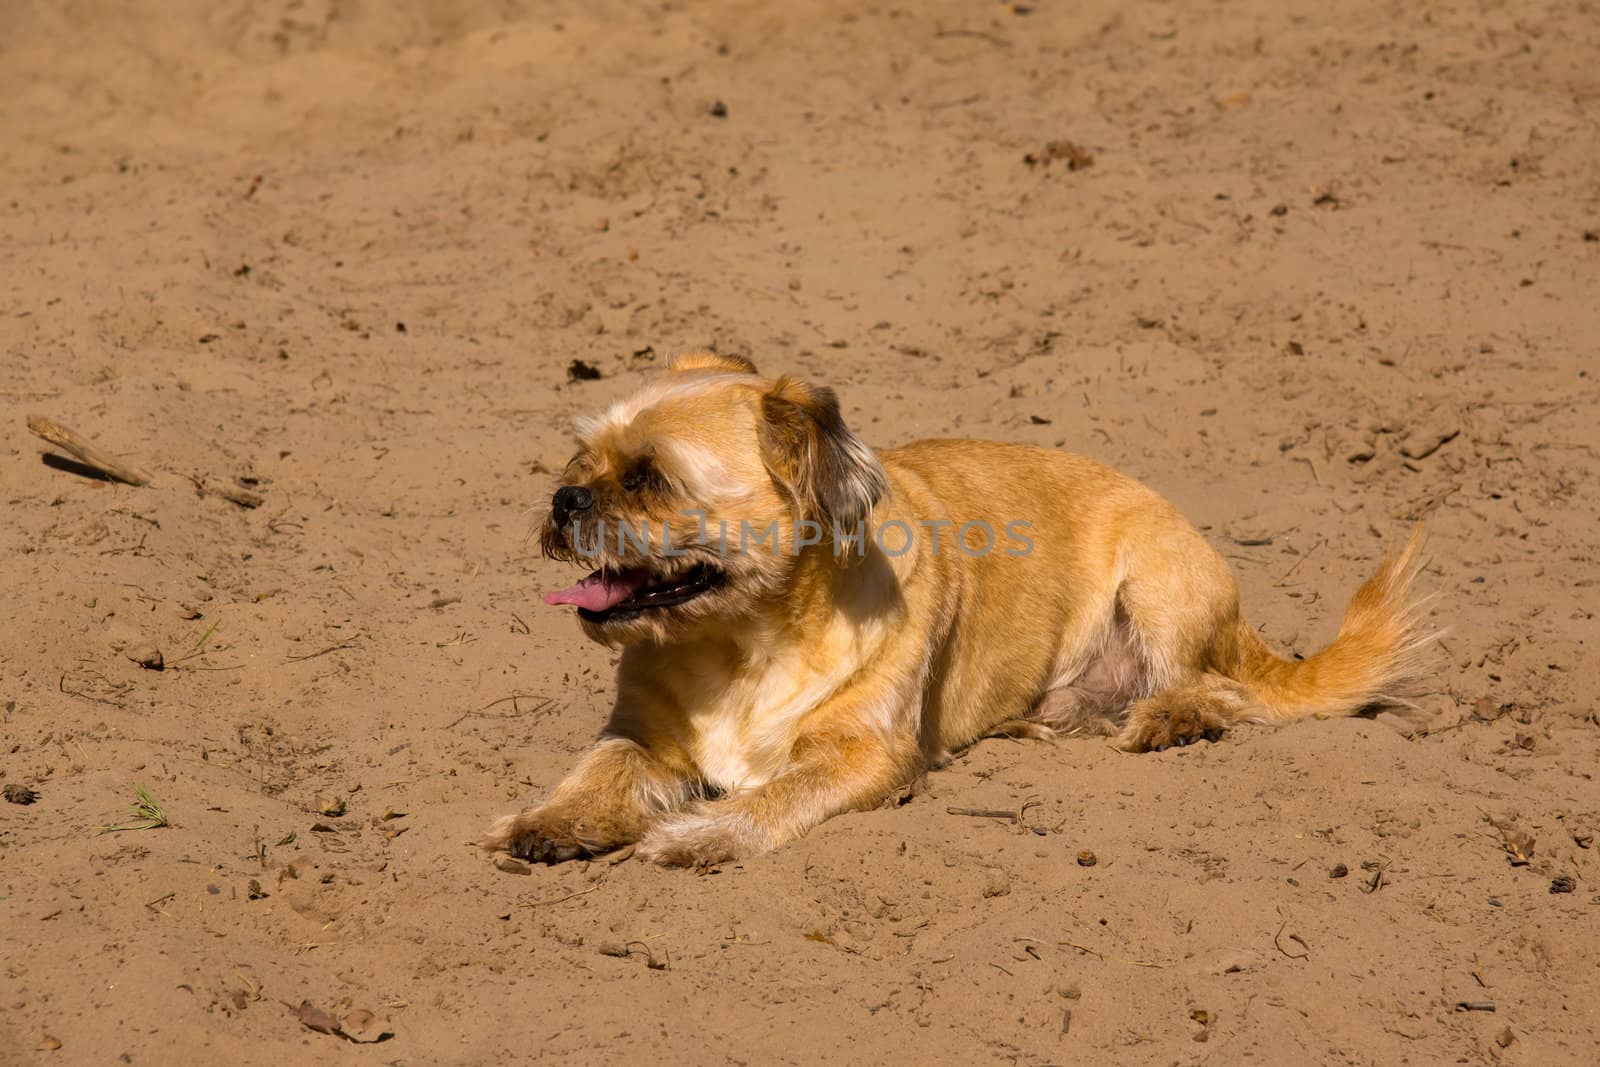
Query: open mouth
x=616 y=596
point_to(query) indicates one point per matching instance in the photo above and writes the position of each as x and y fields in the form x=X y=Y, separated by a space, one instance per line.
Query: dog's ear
x=711 y=361
x=831 y=473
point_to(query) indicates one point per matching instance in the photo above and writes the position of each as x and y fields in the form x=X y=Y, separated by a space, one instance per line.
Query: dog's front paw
x=701 y=840
x=536 y=834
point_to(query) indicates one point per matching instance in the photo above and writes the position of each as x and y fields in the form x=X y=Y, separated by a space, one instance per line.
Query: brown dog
x=808 y=625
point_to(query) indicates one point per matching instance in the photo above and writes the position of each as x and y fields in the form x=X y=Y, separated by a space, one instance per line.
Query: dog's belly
x=1092 y=692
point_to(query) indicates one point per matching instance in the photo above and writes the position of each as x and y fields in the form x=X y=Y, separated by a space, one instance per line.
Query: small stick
x=1373 y=884
x=515 y=697
x=1097 y=954
x=245 y=498
x=1288 y=573
x=624 y=950
x=515 y=710
x=62 y=685
x=85 y=452
x=1306 y=955
x=1429 y=731
x=346 y=643
x=558 y=900
x=984 y=813
x=1474 y=1005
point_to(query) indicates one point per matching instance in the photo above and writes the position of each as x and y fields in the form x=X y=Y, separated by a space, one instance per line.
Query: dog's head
x=696 y=499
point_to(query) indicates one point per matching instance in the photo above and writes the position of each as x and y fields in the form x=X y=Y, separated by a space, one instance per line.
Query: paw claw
x=1170 y=727
x=535 y=837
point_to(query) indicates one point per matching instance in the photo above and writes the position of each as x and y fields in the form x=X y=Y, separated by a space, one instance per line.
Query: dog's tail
x=1375 y=660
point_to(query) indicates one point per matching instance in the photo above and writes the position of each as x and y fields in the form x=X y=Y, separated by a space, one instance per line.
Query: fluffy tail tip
x=1389 y=613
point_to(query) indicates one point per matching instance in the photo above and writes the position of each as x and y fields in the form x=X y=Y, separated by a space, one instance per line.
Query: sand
x=1312 y=271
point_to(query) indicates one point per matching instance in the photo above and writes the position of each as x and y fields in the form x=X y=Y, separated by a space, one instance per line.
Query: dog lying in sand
x=808 y=625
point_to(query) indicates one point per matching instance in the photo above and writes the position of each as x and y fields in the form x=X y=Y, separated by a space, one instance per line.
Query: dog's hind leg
x=1180 y=606
x=1191 y=711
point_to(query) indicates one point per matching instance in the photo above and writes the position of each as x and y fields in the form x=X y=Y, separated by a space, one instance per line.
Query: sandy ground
x=1329 y=271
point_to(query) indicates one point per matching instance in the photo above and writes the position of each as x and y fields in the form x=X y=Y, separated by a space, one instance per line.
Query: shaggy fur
x=804 y=675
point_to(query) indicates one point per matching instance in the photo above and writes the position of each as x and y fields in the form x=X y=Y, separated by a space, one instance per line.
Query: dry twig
x=85 y=452
x=1097 y=954
x=346 y=643
x=1277 y=943
x=558 y=900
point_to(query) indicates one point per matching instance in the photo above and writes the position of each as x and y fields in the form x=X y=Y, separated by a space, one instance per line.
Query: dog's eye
x=635 y=479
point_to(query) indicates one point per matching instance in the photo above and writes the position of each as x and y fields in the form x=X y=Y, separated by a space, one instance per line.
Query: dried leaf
x=1519 y=846
x=364 y=1027
x=314 y=1018
x=147 y=656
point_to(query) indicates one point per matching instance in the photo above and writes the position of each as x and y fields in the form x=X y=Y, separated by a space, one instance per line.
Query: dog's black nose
x=569 y=500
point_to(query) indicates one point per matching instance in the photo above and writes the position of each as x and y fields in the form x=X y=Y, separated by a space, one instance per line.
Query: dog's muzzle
x=570 y=500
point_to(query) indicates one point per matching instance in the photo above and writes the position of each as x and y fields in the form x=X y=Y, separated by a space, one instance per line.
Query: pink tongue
x=598 y=593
